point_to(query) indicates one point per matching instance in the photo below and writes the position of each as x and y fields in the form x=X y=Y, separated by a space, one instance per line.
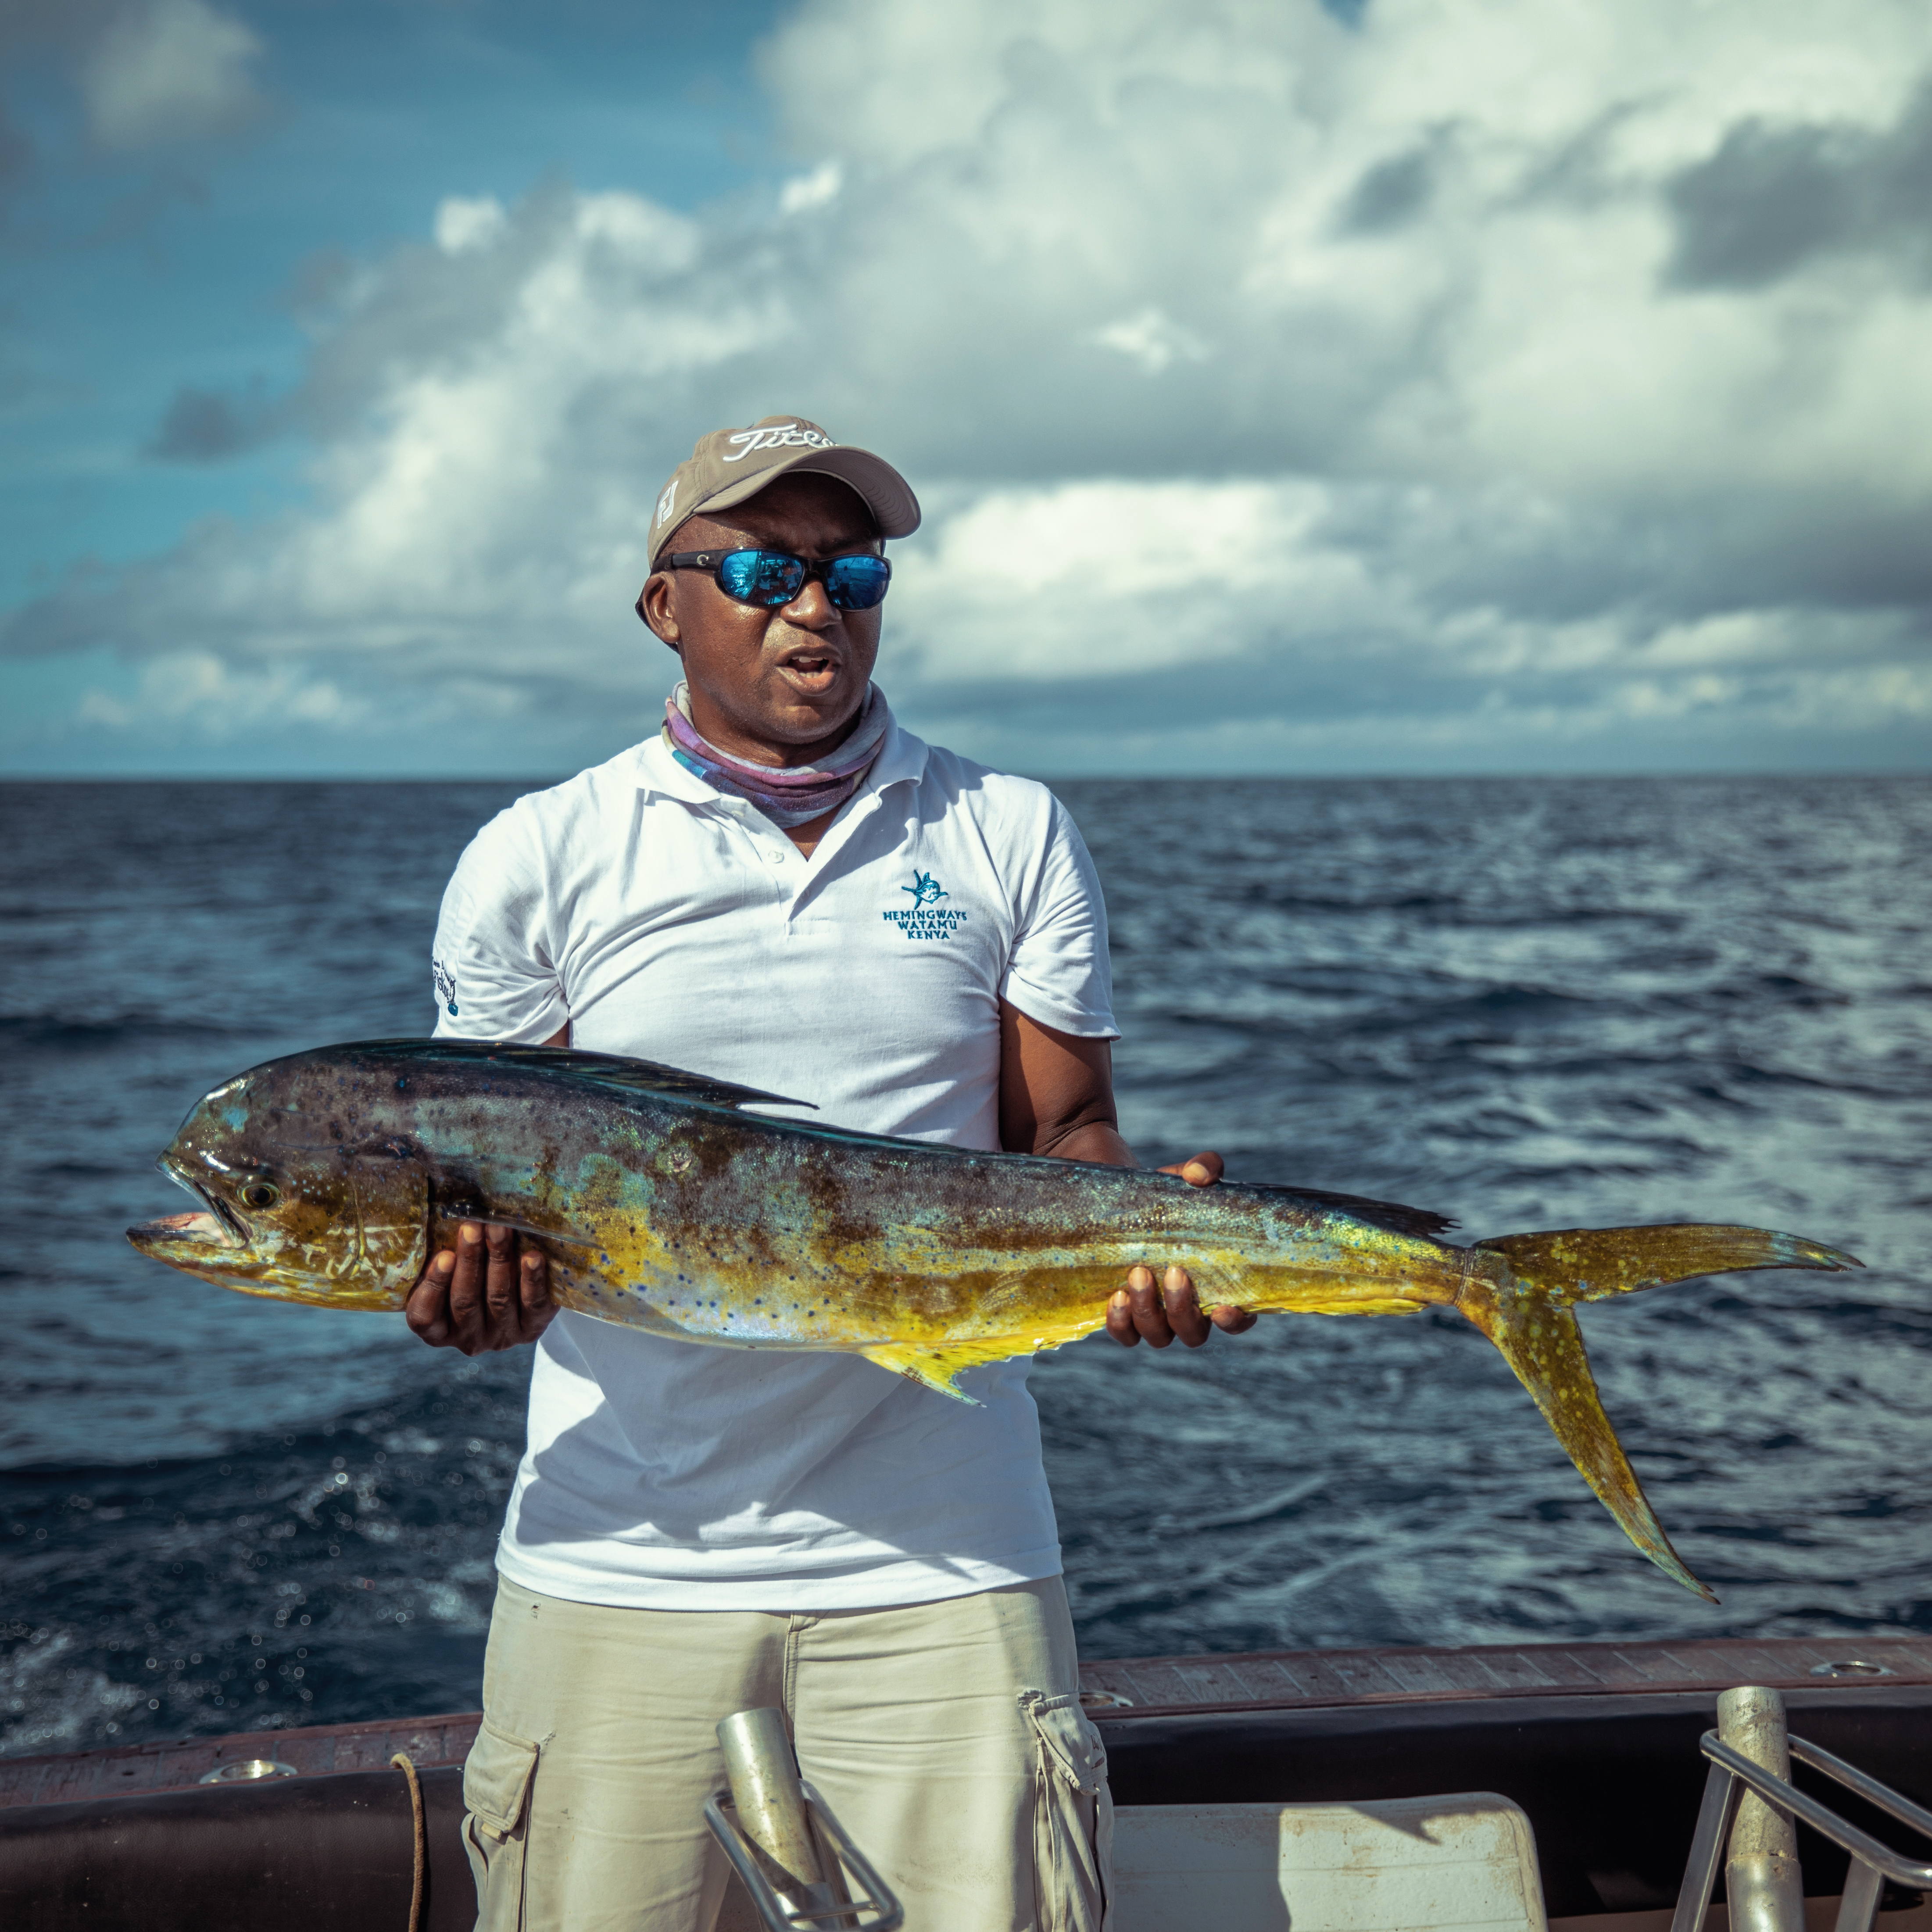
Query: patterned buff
x=796 y=795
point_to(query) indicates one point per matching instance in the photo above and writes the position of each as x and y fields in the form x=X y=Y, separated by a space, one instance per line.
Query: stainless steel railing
x=783 y=1840
x=1732 y=1773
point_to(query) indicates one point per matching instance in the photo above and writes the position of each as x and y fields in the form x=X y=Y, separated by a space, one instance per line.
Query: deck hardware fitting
x=784 y=1841
x=244 y=1769
x=1762 y=1879
x=1872 y=1863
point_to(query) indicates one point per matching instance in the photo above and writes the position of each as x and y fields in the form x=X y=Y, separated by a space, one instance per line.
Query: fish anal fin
x=939 y=1366
x=1542 y=1344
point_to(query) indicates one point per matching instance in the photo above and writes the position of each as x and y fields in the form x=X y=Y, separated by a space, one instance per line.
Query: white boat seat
x=1404 y=1865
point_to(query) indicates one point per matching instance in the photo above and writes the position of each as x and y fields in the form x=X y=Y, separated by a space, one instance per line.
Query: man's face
x=771 y=686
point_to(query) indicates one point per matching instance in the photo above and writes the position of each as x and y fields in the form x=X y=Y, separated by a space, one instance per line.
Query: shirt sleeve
x=1059 y=973
x=493 y=964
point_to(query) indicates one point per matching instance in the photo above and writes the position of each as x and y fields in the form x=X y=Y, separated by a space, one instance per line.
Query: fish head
x=298 y=1203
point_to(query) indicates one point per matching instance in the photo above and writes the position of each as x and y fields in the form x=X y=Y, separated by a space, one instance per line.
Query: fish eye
x=260 y=1194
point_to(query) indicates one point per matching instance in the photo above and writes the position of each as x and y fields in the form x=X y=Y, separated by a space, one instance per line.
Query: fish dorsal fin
x=602 y=1069
x=1422 y=1222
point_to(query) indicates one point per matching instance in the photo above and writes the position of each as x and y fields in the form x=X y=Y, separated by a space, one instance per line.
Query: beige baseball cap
x=730 y=465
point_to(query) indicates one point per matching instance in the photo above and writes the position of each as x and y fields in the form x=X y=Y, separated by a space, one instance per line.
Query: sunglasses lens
x=858 y=583
x=767 y=577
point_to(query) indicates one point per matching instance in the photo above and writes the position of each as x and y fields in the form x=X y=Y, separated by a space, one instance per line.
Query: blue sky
x=1392 y=387
x=136 y=272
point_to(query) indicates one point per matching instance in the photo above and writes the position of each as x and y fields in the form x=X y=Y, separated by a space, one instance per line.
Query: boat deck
x=1116 y=1690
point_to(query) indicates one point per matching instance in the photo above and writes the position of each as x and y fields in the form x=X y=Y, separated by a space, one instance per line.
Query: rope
x=401 y=1761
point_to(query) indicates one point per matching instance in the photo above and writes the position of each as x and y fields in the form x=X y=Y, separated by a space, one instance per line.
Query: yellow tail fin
x=1527 y=1315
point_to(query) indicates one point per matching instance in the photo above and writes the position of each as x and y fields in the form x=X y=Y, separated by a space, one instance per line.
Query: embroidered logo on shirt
x=446 y=984
x=925 y=918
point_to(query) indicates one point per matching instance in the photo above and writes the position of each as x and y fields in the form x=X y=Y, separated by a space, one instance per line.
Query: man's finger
x=1233 y=1321
x=426 y=1311
x=1200 y=1170
x=534 y=1291
x=536 y=1281
x=1120 y=1319
x=1149 y=1322
x=500 y=1280
x=466 y=1283
x=1183 y=1307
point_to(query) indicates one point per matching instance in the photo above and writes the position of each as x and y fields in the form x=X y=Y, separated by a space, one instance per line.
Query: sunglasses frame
x=712 y=562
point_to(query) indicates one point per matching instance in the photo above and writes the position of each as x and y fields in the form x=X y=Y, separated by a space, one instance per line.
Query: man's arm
x=1057 y=1098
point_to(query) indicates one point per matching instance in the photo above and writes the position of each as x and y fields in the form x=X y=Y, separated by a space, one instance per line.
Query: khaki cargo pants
x=948 y=1737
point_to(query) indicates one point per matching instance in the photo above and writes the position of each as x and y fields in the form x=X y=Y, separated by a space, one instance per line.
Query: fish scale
x=664 y=1205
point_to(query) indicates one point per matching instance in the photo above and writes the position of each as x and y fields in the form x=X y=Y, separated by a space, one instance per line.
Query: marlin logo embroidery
x=926 y=890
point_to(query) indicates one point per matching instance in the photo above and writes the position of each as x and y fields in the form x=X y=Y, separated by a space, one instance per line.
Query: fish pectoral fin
x=941 y=1368
x=1543 y=1343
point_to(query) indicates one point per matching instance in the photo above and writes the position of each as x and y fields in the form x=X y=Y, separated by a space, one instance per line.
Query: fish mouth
x=218 y=1226
x=190 y=1230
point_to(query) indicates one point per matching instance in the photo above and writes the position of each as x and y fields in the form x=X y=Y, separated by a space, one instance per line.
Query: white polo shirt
x=665 y=920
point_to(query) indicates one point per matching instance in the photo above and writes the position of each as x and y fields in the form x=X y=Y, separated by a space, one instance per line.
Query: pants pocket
x=1072 y=1817
x=497 y=1780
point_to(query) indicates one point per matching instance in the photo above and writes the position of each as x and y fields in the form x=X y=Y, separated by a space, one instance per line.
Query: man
x=784 y=889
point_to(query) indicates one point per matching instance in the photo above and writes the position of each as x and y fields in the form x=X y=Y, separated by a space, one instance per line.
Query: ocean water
x=1529 y=1004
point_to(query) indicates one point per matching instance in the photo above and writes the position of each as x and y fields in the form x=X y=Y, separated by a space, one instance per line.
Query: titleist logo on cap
x=729 y=467
x=784 y=436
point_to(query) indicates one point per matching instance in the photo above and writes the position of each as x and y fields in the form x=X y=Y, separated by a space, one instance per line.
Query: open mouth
x=226 y=1216
x=203 y=1231
x=810 y=670
x=220 y=1226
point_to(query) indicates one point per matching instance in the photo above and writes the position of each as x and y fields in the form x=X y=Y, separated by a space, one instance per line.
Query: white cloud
x=463 y=225
x=168 y=70
x=1152 y=339
x=196 y=693
x=816 y=189
x=1377 y=385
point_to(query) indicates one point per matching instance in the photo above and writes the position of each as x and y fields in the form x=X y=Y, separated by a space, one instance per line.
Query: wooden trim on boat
x=1114 y=1690
x=1290 y=1680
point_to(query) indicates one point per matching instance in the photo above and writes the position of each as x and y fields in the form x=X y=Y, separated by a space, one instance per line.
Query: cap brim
x=883 y=490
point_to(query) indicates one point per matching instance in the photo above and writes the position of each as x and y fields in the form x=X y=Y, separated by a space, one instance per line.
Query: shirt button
x=775 y=854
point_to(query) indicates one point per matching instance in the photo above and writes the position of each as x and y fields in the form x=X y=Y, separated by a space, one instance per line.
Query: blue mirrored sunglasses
x=771 y=578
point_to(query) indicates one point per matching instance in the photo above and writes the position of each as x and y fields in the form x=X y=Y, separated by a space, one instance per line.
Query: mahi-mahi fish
x=331 y=1176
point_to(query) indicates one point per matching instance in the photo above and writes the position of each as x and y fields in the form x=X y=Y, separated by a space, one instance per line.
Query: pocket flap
x=497 y=1778
x=1072 y=1745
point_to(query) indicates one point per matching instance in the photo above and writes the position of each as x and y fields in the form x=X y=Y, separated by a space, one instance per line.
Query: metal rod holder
x=784 y=1842
x=779 y=1915
x=1761 y=1878
x=1732 y=1773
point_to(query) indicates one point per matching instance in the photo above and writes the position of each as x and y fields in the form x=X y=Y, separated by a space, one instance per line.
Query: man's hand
x=1137 y=1314
x=480 y=1297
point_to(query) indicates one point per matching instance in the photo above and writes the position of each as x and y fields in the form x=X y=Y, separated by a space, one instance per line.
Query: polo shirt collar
x=901 y=758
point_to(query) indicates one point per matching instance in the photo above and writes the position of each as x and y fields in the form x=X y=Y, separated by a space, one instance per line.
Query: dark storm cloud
x=204 y=426
x=1390 y=195
x=1773 y=198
